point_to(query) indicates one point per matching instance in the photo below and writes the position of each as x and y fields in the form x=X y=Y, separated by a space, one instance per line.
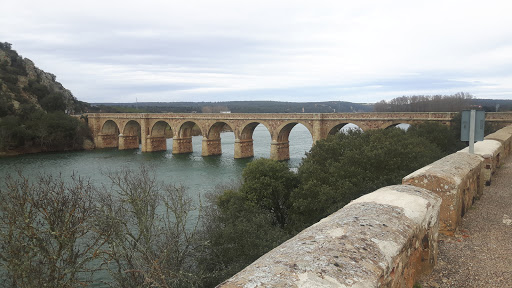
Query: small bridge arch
x=109 y=135
x=159 y=132
x=280 y=146
x=131 y=135
x=212 y=142
x=244 y=142
x=337 y=128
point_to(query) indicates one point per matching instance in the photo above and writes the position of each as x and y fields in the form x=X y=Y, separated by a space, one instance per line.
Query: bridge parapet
x=492 y=153
x=457 y=179
x=387 y=238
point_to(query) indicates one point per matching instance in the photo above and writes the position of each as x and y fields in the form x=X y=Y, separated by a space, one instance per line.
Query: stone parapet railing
x=457 y=179
x=384 y=239
x=492 y=153
x=387 y=238
x=504 y=137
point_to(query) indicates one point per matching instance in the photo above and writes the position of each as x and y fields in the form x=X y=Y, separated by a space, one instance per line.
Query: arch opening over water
x=130 y=138
x=159 y=134
x=300 y=142
x=280 y=148
x=344 y=128
x=253 y=134
x=212 y=141
x=187 y=134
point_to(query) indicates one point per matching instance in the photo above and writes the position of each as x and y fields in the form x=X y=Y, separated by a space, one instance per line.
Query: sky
x=300 y=51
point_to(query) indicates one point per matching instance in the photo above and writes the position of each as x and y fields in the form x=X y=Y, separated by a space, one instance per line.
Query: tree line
x=145 y=233
x=426 y=103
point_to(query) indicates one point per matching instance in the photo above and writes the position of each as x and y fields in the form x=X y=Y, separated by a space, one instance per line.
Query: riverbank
x=87 y=145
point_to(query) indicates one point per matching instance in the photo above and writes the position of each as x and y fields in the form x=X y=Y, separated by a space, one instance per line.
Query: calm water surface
x=199 y=174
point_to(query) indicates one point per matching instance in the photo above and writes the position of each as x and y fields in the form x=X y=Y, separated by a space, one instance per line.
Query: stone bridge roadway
x=128 y=130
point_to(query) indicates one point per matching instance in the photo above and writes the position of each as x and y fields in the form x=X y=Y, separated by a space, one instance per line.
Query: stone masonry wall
x=384 y=239
x=457 y=179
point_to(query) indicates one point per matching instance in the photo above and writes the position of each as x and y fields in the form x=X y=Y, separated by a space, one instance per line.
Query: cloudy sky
x=219 y=50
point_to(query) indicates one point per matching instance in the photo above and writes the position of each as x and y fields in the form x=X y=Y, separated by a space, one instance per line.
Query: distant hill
x=234 y=107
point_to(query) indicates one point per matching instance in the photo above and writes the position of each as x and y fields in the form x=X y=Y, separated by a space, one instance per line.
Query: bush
x=446 y=138
x=268 y=184
x=236 y=233
x=54 y=102
x=345 y=166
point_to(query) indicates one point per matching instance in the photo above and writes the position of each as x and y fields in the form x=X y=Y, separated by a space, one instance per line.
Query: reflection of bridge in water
x=127 y=130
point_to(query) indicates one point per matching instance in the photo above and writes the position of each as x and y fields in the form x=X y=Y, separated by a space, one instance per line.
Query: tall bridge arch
x=127 y=130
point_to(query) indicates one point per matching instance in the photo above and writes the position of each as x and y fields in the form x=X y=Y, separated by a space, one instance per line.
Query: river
x=199 y=174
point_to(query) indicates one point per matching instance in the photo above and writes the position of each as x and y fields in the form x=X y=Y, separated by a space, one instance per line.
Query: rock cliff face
x=22 y=82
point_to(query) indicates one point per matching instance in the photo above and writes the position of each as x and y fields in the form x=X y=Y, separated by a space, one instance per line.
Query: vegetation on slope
x=34 y=108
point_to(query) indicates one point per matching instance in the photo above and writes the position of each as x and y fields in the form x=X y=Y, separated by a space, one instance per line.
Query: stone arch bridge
x=128 y=130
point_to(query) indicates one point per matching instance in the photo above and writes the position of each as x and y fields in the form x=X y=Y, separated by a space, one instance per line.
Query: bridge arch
x=341 y=126
x=110 y=127
x=109 y=135
x=244 y=142
x=161 y=129
x=182 y=140
x=403 y=126
x=212 y=142
x=391 y=124
x=185 y=129
x=158 y=133
x=216 y=128
x=132 y=128
x=131 y=135
x=280 y=146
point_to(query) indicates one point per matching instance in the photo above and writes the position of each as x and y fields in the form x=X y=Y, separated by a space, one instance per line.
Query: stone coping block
x=383 y=239
x=457 y=179
x=492 y=152
x=504 y=136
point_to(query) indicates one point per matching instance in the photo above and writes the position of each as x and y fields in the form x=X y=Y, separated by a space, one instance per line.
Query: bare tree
x=46 y=232
x=151 y=231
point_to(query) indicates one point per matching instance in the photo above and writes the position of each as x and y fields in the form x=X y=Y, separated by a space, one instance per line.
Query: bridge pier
x=280 y=150
x=128 y=142
x=244 y=148
x=182 y=145
x=155 y=144
x=106 y=141
x=211 y=147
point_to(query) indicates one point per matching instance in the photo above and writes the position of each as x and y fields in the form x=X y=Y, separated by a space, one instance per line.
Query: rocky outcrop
x=21 y=72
